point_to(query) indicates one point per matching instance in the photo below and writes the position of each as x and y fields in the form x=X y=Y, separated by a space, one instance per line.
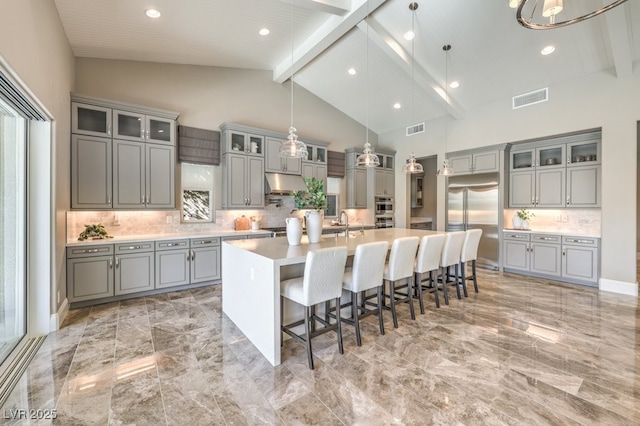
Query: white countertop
x=162 y=237
x=420 y=219
x=554 y=232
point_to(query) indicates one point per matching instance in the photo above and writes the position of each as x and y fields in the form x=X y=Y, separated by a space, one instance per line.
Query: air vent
x=531 y=98
x=416 y=128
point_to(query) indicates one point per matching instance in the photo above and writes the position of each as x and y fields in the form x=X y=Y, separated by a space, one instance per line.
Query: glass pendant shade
x=292 y=147
x=367 y=158
x=412 y=166
x=553 y=14
x=551 y=8
x=446 y=170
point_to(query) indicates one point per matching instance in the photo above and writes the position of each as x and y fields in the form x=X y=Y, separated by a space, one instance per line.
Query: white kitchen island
x=252 y=271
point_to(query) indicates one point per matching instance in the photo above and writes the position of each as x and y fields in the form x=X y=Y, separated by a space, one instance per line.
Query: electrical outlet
x=565 y=218
x=559 y=218
x=169 y=219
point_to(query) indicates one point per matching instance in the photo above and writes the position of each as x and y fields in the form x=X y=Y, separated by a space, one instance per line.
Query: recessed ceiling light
x=152 y=13
x=352 y=71
x=264 y=31
x=409 y=35
x=454 y=84
x=547 y=50
x=397 y=105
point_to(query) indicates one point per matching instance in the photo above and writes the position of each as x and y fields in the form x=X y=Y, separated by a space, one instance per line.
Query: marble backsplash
x=143 y=222
x=575 y=221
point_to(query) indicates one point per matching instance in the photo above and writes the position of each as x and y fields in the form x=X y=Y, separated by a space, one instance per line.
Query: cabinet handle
x=108 y=199
x=109 y=130
x=141 y=133
x=193 y=255
x=204 y=242
x=117 y=262
x=568 y=200
x=147 y=134
x=90 y=251
x=546 y=238
x=149 y=199
x=111 y=263
x=564 y=251
x=579 y=241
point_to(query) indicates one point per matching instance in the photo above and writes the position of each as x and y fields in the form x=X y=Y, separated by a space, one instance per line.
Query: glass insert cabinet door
x=90 y=120
x=13 y=281
x=128 y=125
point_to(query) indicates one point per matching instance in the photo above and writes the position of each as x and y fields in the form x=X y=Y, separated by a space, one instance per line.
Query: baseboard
x=56 y=319
x=622 y=287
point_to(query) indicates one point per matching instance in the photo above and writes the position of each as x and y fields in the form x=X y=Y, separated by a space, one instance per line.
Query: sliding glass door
x=13 y=213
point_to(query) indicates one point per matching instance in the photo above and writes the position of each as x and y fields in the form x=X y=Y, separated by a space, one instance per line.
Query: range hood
x=278 y=183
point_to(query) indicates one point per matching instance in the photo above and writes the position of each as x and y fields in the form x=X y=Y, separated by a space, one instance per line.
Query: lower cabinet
x=89 y=272
x=565 y=258
x=172 y=263
x=205 y=260
x=133 y=268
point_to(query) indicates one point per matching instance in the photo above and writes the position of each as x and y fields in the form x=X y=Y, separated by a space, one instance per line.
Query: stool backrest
x=470 y=245
x=323 y=272
x=402 y=257
x=452 y=248
x=430 y=252
x=368 y=265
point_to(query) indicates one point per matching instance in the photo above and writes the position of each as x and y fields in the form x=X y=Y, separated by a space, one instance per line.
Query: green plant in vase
x=313 y=198
x=525 y=216
x=93 y=231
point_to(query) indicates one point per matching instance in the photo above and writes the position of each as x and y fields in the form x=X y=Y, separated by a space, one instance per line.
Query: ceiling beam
x=327 y=34
x=334 y=7
x=402 y=58
x=620 y=37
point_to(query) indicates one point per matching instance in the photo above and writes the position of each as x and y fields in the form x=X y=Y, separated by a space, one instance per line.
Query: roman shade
x=335 y=164
x=198 y=146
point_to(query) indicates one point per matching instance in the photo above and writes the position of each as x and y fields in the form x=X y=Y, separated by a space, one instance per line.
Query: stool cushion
x=368 y=264
x=292 y=289
x=401 y=258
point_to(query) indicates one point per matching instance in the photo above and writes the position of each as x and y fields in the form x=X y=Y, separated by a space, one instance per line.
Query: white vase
x=525 y=224
x=517 y=222
x=294 y=231
x=314 y=226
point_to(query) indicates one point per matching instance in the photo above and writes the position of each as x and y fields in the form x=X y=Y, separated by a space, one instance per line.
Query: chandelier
x=539 y=15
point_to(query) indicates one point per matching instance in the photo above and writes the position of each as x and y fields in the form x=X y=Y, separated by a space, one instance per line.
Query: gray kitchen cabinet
x=580 y=259
x=384 y=182
x=242 y=141
x=475 y=162
x=583 y=186
x=172 y=263
x=134 y=267
x=537 y=188
x=143 y=175
x=90 y=272
x=546 y=255
x=522 y=187
x=134 y=126
x=316 y=154
x=244 y=181
x=274 y=163
x=318 y=171
x=516 y=251
x=205 y=260
x=91 y=172
x=90 y=120
x=356 y=188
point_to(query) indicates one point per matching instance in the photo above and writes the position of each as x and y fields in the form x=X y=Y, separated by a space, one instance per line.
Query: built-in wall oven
x=384 y=212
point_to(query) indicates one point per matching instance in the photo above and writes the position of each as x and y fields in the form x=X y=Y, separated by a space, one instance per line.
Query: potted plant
x=525 y=216
x=95 y=232
x=313 y=198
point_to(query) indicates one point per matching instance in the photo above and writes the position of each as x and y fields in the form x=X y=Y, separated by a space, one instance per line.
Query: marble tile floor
x=522 y=351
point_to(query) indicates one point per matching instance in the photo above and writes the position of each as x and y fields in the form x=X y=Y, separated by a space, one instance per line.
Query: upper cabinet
x=274 y=163
x=475 y=162
x=316 y=154
x=122 y=155
x=558 y=173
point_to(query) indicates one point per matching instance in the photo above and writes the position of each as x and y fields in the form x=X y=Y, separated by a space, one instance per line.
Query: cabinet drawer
x=172 y=244
x=516 y=236
x=550 y=239
x=234 y=237
x=580 y=241
x=134 y=247
x=101 y=250
x=205 y=242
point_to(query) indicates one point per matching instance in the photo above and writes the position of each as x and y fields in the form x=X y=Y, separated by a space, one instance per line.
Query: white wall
x=35 y=47
x=597 y=101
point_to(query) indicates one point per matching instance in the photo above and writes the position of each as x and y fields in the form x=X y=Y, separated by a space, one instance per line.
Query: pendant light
x=367 y=158
x=544 y=18
x=446 y=168
x=292 y=147
x=412 y=166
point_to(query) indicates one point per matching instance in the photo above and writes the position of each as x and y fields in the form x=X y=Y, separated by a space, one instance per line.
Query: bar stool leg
x=444 y=285
x=392 y=300
x=307 y=313
x=463 y=267
x=354 y=315
x=418 y=281
x=456 y=281
x=434 y=284
x=410 y=296
x=338 y=325
x=380 y=319
x=473 y=271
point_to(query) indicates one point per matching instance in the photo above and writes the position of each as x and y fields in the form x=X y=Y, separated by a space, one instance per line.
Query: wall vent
x=531 y=98
x=415 y=128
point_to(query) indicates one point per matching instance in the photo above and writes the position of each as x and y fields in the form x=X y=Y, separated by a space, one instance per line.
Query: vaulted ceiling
x=492 y=56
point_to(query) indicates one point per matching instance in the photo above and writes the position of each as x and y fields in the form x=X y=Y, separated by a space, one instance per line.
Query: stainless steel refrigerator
x=473 y=202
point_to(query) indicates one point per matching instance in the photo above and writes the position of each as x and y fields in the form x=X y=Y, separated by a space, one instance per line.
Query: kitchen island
x=252 y=271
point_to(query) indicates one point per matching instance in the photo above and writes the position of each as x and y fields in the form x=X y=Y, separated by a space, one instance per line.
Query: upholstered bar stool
x=400 y=268
x=366 y=274
x=322 y=281
x=468 y=254
x=428 y=262
x=451 y=257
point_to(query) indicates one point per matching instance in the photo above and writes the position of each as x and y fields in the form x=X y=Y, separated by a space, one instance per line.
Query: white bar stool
x=400 y=267
x=428 y=262
x=366 y=274
x=451 y=257
x=322 y=281
x=469 y=253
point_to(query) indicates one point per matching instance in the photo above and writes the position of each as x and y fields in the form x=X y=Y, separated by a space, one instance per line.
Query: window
x=197 y=193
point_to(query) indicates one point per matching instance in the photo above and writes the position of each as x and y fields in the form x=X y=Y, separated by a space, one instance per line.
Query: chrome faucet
x=345 y=222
